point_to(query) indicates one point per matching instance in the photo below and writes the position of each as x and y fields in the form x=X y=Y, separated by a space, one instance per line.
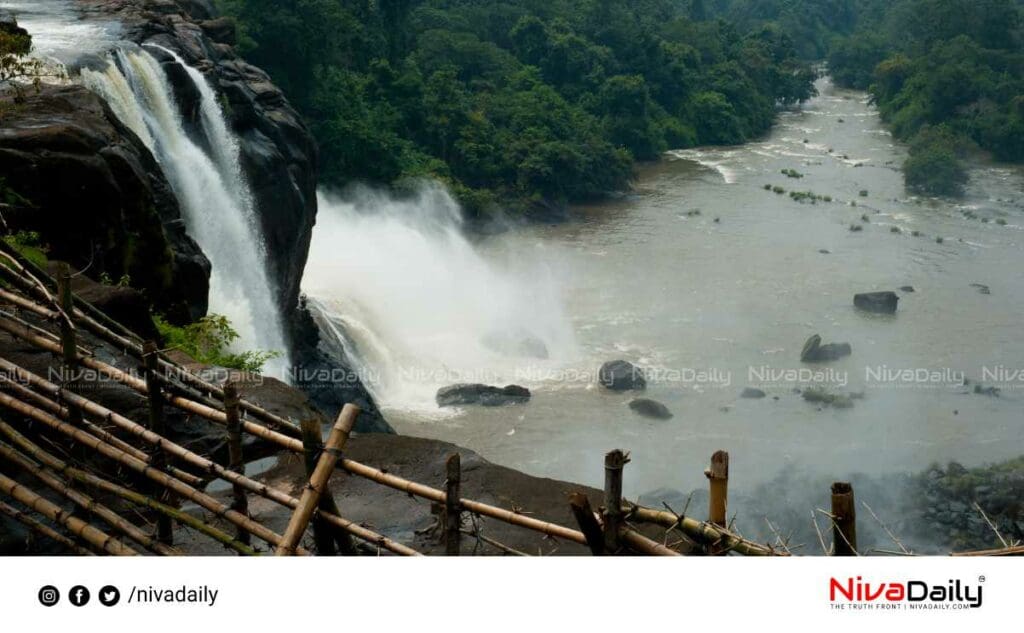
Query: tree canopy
x=518 y=102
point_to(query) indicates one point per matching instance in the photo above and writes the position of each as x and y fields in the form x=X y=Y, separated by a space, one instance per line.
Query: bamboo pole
x=614 y=461
x=43 y=529
x=88 y=479
x=69 y=348
x=236 y=462
x=61 y=411
x=174 y=485
x=318 y=482
x=201 y=462
x=1013 y=550
x=312 y=442
x=580 y=505
x=640 y=543
x=700 y=531
x=844 y=520
x=718 y=484
x=452 y=507
x=20 y=275
x=328 y=537
x=164 y=529
x=87 y=503
x=91 y=534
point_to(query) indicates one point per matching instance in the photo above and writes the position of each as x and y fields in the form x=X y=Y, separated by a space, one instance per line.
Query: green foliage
x=16 y=67
x=29 y=245
x=208 y=341
x=953 y=65
x=934 y=165
x=520 y=102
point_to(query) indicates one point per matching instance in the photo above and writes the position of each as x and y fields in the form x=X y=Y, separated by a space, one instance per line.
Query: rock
x=221 y=30
x=324 y=372
x=518 y=343
x=650 y=408
x=752 y=392
x=820 y=395
x=620 y=375
x=986 y=391
x=906 y=289
x=485 y=395
x=814 y=352
x=127 y=306
x=878 y=302
x=99 y=199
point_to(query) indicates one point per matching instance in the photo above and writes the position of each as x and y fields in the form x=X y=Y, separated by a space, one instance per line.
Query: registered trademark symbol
x=981 y=579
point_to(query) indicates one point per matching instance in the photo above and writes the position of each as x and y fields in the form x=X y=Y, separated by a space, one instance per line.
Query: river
x=712 y=284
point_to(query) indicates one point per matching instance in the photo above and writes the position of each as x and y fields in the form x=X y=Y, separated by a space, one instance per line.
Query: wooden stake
x=701 y=531
x=718 y=482
x=312 y=445
x=235 y=460
x=844 y=520
x=318 y=482
x=580 y=505
x=164 y=528
x=613 y=464
x=69 y=348
x=452 y=505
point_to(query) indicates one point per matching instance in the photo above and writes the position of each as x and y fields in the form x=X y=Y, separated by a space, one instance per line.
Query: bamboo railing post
x=718 y=483
x=164 y=528
x=613 y=464
x=236 y=462
x=312 y=445
x=69 y=347
x=580 y=505
x=844 y=520
x=318 y=482
x=68 y=341
x=452 y=505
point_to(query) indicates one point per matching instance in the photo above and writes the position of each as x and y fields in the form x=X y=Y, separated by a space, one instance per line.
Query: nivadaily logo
x=906 y=594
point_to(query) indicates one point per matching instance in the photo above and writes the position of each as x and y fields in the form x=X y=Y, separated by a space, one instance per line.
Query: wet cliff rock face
x=94 y=191
x=278 y=153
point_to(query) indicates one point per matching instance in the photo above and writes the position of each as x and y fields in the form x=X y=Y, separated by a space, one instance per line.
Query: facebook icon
x=79 y=596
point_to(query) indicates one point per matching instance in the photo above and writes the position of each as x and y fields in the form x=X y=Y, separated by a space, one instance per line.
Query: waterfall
x=213 y=193
x=418 y=306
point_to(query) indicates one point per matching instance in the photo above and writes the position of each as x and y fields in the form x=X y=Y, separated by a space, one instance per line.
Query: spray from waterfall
x=214 y=196
x=417 y=306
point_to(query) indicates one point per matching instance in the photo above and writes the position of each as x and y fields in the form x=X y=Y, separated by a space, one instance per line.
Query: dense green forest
x=519 y=102
x=946 y=75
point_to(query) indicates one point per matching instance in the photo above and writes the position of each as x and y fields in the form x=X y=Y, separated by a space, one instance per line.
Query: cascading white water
x=214 y=196
x=420 y=308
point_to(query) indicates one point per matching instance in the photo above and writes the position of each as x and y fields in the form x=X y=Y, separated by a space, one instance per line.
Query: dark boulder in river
x=814 y=351
x=879 y=302
x=484 y=395
x=649 y=408
x=752 y=392
x=620 y=375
